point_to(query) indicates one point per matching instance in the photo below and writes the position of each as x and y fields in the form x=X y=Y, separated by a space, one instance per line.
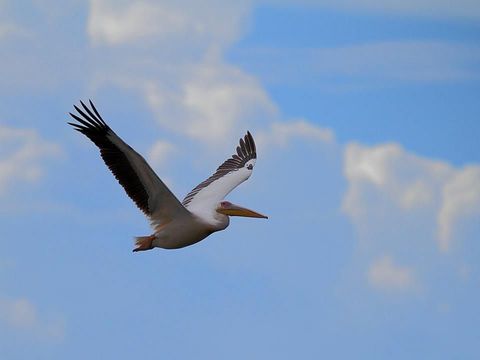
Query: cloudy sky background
x=367 y=123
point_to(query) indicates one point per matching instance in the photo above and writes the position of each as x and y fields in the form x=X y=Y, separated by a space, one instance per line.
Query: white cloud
x=405 y=179
x=281 y=133
x=219 y=96
x=211 y=103
x=199 y=96
x=386 y=179
x=384 y=274
x=21 y=154
x=460 y=199
x=160 y=152
x=21 y=314
x=117 y=22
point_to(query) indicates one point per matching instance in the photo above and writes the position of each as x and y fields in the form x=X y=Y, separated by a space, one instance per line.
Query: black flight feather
x=94 y=127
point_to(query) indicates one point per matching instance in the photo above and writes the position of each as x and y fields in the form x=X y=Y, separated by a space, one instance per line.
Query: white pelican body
x=184 y=232
x=175 y=224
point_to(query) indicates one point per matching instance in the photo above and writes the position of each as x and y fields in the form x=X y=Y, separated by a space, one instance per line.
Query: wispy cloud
x=207 y=96
x=213 y=102
x=20 y=314
x=431 y=8
x=384 y=274
x=22 y=153
x=386 y=179
x=368 y=64
x=400 y=60
x=460 y=201
x=160 y=152
x=281 y=133
x=113 y=22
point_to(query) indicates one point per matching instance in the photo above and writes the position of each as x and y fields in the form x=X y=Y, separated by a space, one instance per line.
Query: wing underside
x=231 y=173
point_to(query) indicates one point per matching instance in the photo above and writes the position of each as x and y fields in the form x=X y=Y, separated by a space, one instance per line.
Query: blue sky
x=366 y=118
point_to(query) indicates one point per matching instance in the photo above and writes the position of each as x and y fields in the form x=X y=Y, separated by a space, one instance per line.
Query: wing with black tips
x=227 y=177
x=131 y=170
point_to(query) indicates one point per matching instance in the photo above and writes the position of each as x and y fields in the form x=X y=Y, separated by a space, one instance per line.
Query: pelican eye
x=250 y=166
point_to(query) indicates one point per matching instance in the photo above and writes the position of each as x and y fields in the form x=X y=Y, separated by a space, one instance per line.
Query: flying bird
x=175 y=224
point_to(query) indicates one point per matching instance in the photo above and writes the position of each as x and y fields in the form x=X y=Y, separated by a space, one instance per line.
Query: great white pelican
x=175 y=224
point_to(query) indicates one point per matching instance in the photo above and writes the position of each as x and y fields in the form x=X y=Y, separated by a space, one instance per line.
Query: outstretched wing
x=227 y=177
x=131 y=170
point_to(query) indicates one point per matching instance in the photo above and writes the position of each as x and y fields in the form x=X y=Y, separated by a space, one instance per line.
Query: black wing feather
x=92 y=126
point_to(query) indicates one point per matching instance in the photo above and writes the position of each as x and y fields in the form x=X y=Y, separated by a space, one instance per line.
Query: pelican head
x=227 y=208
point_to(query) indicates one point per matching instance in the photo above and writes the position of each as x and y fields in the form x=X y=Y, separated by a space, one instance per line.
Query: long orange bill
x=235 y=210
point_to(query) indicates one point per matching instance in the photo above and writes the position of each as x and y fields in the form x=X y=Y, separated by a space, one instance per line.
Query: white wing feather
x=235 y=170
x=209 y=196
